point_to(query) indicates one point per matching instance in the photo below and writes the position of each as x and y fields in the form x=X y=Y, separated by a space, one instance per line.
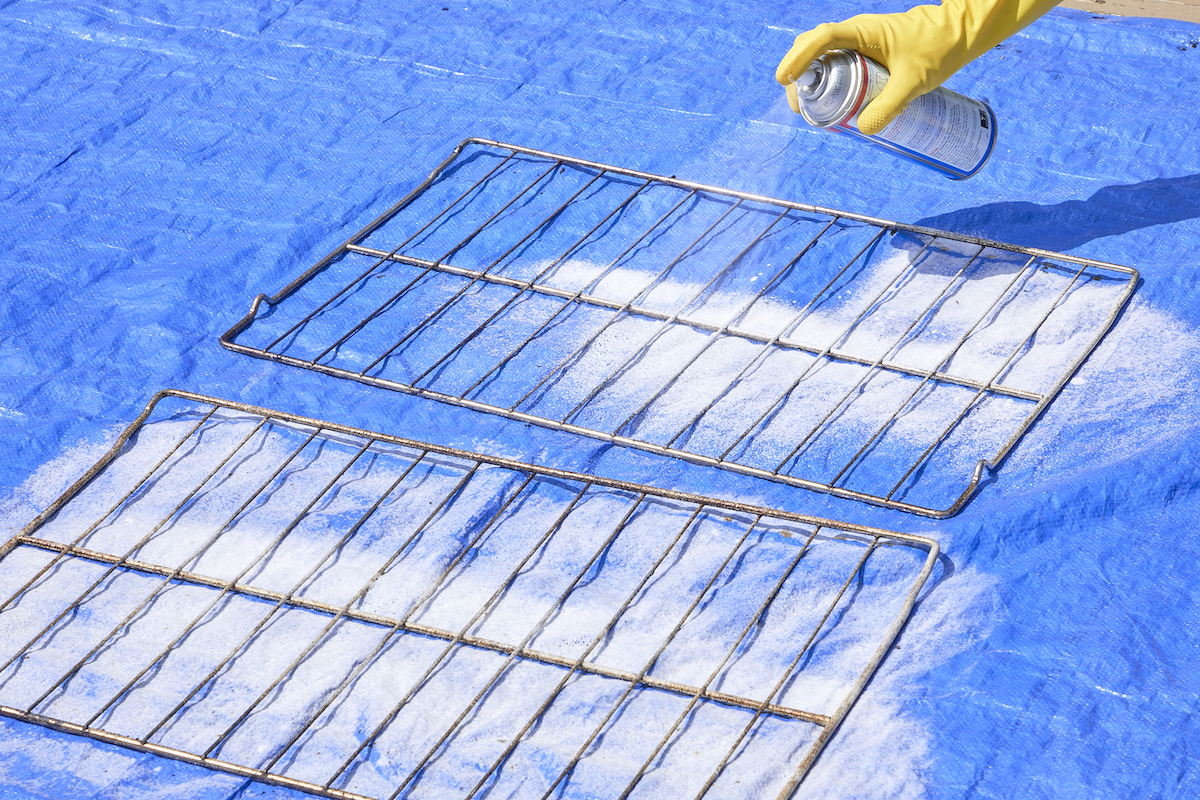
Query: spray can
x=945 y=130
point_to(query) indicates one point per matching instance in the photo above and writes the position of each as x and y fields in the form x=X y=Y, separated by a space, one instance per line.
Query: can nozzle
x=809 y=84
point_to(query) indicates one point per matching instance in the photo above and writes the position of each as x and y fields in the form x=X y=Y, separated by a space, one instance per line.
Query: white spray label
x=945 y=130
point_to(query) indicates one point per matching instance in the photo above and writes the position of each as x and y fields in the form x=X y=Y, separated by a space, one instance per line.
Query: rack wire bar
x=888 y=363
x=359 y=615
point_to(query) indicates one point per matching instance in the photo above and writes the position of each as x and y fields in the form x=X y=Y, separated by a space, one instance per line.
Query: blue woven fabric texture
x=161 y=163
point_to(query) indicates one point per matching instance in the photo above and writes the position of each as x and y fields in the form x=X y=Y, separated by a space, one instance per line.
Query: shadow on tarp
x=1112 y=211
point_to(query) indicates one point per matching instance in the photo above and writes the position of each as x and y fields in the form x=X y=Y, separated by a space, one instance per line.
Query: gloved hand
x=920 y=47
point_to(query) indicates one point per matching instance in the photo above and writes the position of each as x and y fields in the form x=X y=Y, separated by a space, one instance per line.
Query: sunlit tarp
x=162 y=164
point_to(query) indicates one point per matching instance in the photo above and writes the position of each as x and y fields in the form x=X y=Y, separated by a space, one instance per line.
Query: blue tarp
x=162 y=163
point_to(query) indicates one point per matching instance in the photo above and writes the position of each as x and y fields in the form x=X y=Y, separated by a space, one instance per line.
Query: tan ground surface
x=1187 y=10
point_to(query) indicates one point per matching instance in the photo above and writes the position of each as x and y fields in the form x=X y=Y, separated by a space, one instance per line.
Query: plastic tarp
x=162 y=163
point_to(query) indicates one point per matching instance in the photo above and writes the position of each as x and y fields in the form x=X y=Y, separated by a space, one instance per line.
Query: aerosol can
x=945 y=130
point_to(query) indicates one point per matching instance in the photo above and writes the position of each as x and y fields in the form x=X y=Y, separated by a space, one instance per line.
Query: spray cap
x=809 y=84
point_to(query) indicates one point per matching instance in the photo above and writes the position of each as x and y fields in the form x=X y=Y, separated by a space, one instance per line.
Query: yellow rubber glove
x=920 y=47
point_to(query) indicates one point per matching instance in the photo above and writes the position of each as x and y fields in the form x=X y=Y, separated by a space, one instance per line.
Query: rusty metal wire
x=354 y=615
x=886 y=363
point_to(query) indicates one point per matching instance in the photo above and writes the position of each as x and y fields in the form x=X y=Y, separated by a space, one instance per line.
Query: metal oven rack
x=882 y=362
x=358 y=615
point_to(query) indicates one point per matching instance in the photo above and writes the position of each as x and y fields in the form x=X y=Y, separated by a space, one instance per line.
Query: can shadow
x=1111 y=211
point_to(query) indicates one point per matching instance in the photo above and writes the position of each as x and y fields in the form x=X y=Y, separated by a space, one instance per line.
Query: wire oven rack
x=358 y=615
x=883 y=362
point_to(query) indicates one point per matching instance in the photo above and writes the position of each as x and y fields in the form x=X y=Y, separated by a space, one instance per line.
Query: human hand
x=921 y=47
